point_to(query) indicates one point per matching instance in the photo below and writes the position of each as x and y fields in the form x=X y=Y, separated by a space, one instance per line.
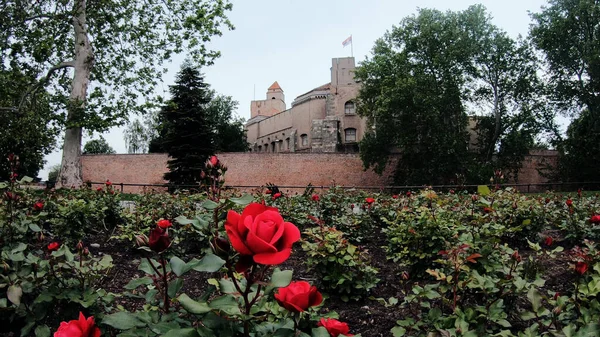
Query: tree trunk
x=70 y=173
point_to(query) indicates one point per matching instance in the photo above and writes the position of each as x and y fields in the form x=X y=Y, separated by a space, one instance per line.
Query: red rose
x=268 y=191
x=395 y=196
x=260 y=232
x=298 y=296
x=159 y=240
x=487 y=210
x=38 y=206
x=315 y=197
x=451 y=191
x=84 y=327
x=99 y=189
x=369 y=200
x=515 y=256
x=276 y=196
x=214 y=160
x=335 y=327
x=548 y=241
x=581 y=268
x=108 y=183
x=53 y=246
x=408 y=194
x=569 y=202
x=595 y=219
x=164 y=224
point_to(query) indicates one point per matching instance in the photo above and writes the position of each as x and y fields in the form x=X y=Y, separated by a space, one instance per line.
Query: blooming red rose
x=581 y=268
x=395 y=196
x=487 y=210
x=164 y=224
x=268 y=192
x=108 y=183
x=214 y=160
x=38 y=206
x=261 y=232
x=548 y=241
x=83 y=327
x=53 y=246
x=159 y=240
x=298 y=296
x=369 y=200
x=99 y=189
x=276 y=196
x=569 y=202
x=335 y=327
x=315 y=197
x=595 y=219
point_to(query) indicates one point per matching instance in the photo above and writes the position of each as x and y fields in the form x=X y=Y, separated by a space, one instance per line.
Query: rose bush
x=261 y=233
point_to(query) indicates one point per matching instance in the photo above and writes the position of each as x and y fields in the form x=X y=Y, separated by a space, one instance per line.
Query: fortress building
x=321 y=120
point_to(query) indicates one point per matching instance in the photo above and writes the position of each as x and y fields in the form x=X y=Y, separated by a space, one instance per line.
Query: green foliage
x=342 y=267
x=566 y=32
x=98 y=146
x=53 y=173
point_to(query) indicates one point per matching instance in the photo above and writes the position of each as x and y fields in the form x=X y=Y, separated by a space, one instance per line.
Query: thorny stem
x=166 y=284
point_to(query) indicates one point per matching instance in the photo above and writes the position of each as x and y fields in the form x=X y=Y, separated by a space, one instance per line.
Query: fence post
x=528 y=186
x=121 y=187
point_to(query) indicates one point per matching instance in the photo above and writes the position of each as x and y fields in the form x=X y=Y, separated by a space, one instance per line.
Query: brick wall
x=255 y=169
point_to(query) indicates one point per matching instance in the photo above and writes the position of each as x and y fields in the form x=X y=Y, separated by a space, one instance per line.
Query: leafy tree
x=137 y=137
x=98 y=146
x=115 y=49
x=423 y=78
x=229 y=130
x=186 y=135
x=29 y=132
x=413 y=83
x=568 y=32
x=53 y=174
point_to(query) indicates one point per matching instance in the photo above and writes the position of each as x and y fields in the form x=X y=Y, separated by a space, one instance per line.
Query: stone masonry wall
x=256 y=169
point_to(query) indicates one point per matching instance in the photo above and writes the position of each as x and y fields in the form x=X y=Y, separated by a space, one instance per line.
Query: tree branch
x=34 y=88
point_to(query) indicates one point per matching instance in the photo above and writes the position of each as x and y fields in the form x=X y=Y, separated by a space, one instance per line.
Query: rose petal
x=236 y=241
x=291 y=234
x=270 y=216
x=258 y=245
x=315 y=297
x=273 y=258
x=265 y=229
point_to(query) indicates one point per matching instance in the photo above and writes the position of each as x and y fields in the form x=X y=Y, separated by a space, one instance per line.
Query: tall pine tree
x=187 y=137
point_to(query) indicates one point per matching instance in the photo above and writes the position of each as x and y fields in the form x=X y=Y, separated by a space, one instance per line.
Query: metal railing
x=525 y=188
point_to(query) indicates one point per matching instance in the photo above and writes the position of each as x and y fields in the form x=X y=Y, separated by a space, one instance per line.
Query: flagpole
x=351 y=46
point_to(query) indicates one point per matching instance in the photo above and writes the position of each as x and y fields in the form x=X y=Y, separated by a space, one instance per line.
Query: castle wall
x=283 y=169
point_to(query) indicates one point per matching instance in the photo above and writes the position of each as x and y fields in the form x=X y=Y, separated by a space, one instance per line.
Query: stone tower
x=274 y=104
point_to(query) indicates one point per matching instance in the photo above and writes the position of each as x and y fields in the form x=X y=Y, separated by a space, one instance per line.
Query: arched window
x=349 y=108
x=350 y=135
x=304 y=139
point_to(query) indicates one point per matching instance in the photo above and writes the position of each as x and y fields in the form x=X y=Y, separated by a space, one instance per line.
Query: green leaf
x=483 y=190
x=178 y=266
x=192 y=306
x=398 y=331
x=227 y=304
x=35 y=228
x=209 y=263
x=319 y=332
x=243 y=200
x=281 y=278
x=122 y=320
x=136 y=282
x=209 y=205
x=535 y=297
x=527 y=222
x=188 y=332
x=14 y=294
x=42 y=331
x=174 y=287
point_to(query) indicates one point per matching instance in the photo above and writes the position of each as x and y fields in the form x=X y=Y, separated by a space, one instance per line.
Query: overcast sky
x=293 y=41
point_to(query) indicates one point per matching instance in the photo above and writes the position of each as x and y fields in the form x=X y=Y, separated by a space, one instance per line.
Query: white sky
x=292 y=42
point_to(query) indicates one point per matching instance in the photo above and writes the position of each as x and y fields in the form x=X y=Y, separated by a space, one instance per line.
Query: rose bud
x=220 y=246
x=86 y=251
x=214 y=161
x=164 y=224
x=38 y=206
x=548 y=241
x=595 y=219
x=515 y=256
x=159 y=240
x=474 y=197
x=79 y=245
x=569 y=202
x=556 y=295
x=581 y=268
x=405 y=275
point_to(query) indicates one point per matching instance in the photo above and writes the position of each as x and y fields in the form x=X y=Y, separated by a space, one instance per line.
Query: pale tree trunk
x=70 y=172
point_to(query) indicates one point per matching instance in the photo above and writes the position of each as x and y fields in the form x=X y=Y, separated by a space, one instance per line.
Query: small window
x=287 y=143
x=350 y=135
x=304 y=139
x=259 y=148
x=272 y=146
x=349 y=108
